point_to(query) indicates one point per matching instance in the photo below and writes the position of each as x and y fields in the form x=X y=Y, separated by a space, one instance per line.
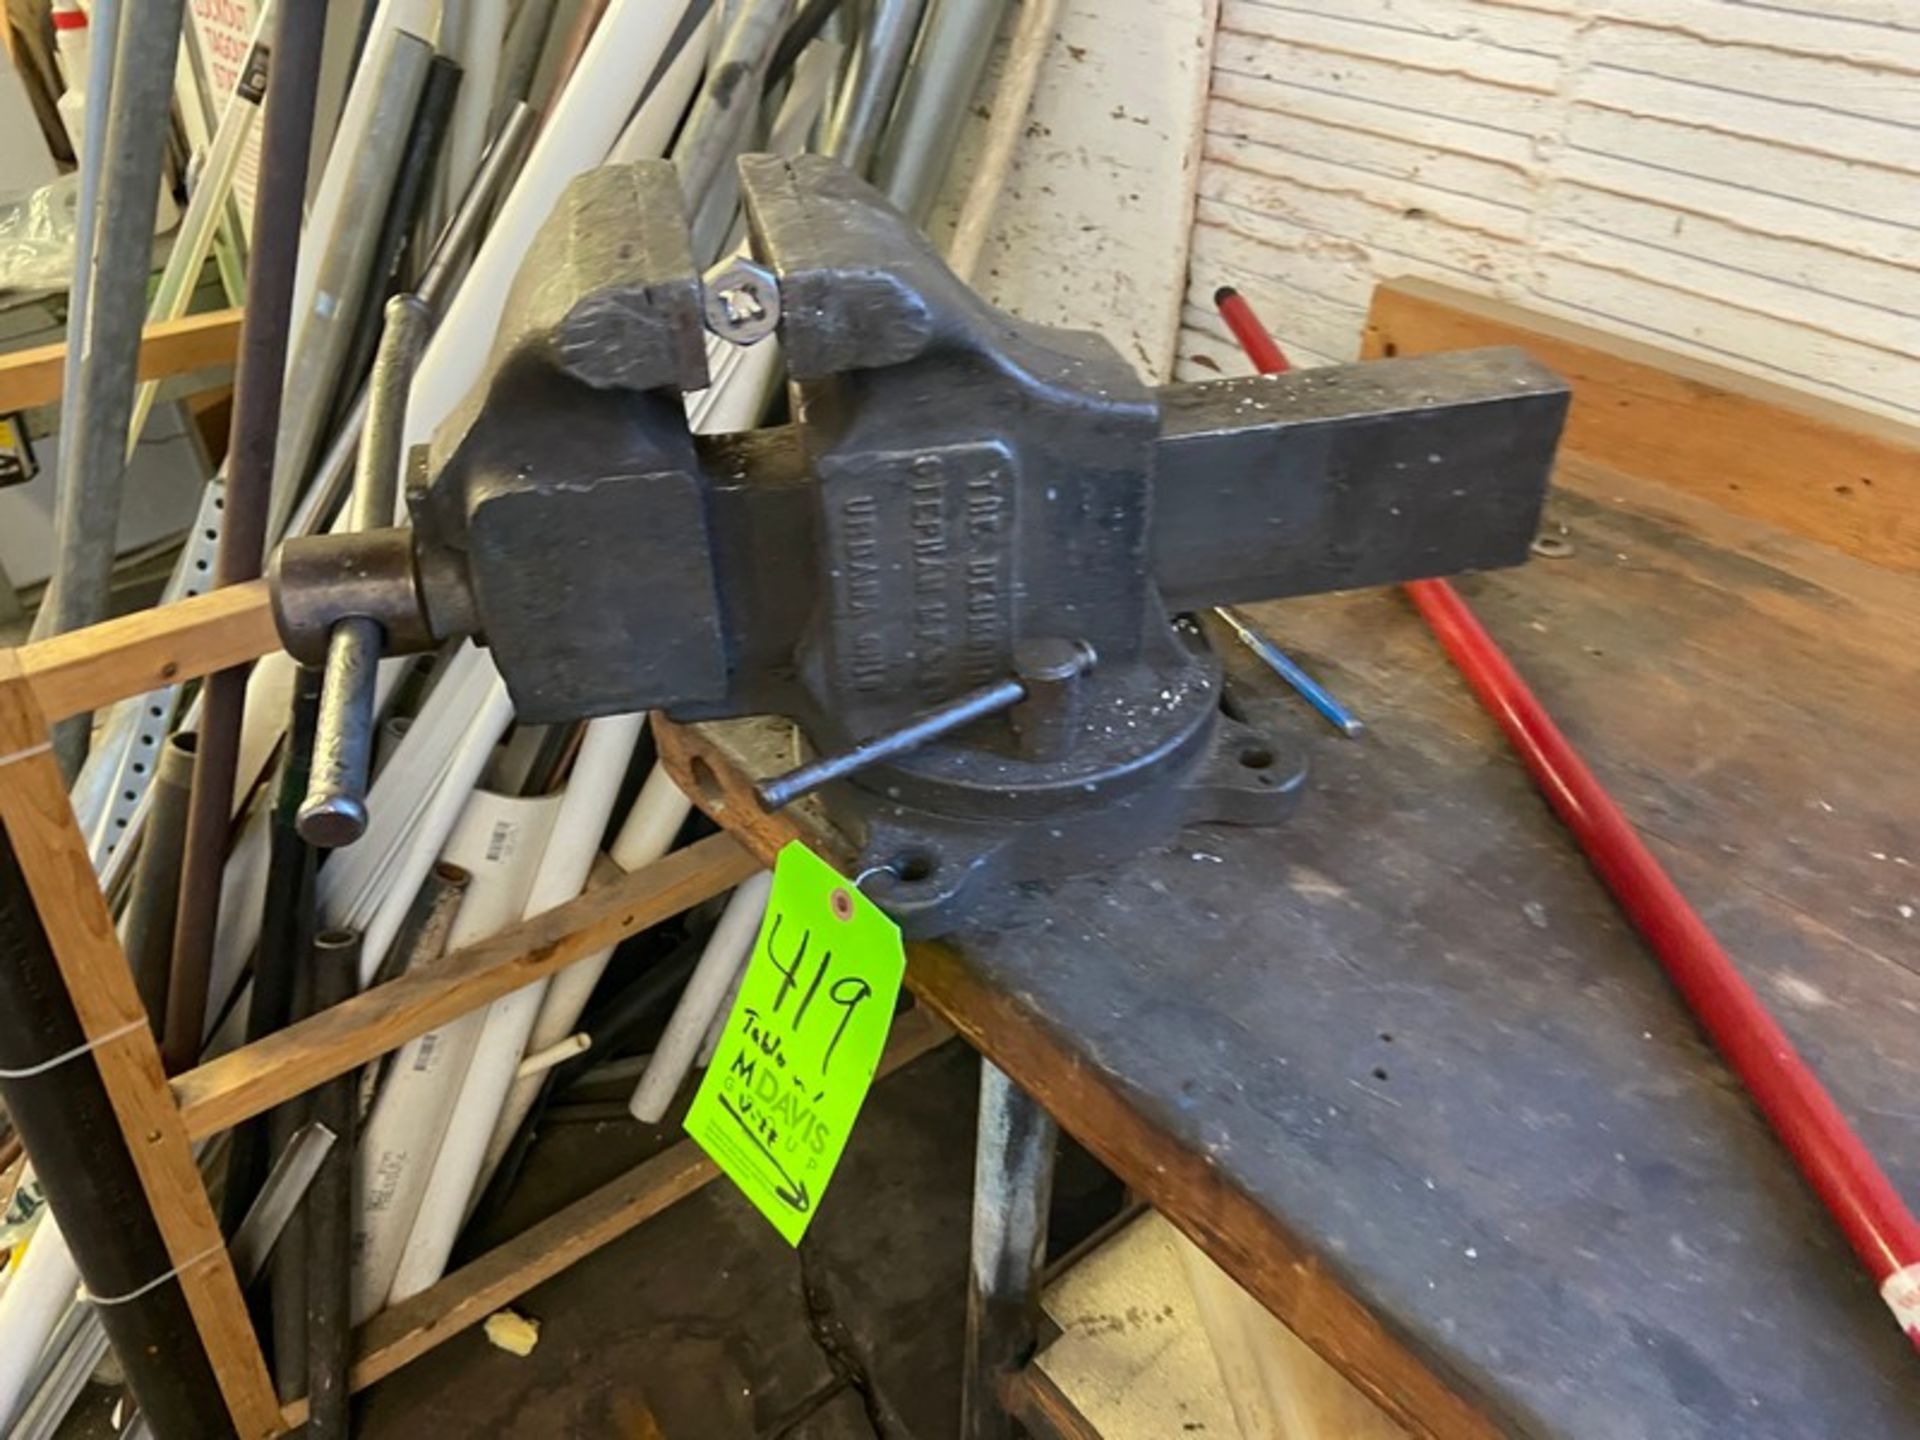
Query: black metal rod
x=80 y=1155
x=336 y=975
x=153 y=901
x=975 y=705
x=286 y=922
x=285 y=138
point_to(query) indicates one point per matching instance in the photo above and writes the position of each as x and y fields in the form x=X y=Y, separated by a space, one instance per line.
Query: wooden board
x=256 y=1077
x=1807 y=465
x=132 y=654
x=1401 y=1067
x=194 y=342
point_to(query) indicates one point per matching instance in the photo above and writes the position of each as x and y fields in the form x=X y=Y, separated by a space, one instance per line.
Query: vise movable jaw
x=957 y=568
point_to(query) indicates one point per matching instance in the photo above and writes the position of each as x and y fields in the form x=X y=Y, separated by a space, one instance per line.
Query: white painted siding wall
x=1735 y=179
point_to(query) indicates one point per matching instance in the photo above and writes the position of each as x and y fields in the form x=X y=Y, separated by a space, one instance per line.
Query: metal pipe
x=100 y=800
x=866 y=99
x=781 y=790
x=64 y=1115
x=154 y=898
x=285 y=923
x=497 y=169
x=323 y=334
x=423 y=935
x=404 y=211
x=194 y=237
x=104 y=345
x=336 y=975
x=335 y=810
x=280 y=1195
x=940 y=83
x=1832 y=1158
x=258 y=383
x=1013 y=1160
x=807 y=25
x=730 y=99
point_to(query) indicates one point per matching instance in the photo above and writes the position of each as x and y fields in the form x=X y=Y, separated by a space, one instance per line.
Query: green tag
x=802 y=1042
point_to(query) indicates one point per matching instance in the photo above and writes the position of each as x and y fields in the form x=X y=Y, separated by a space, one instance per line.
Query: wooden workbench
x=1404 y=1052
x=1403 y=1069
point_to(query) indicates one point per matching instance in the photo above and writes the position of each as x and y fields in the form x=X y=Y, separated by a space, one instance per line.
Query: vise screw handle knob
x=334 y=812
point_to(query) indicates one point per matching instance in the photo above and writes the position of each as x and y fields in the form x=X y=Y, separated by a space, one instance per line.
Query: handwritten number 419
x=843 y=996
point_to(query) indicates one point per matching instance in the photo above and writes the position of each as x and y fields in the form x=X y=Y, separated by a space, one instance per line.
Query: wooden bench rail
x=81 y=671
x=34 y=377
x=1834 y=474
x=255 y=1078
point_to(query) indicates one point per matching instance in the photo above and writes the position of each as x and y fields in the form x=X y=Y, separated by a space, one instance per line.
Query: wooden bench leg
x=1012 y=1191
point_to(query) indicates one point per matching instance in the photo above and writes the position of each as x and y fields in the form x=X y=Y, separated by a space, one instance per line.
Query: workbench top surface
x=1414 y=1029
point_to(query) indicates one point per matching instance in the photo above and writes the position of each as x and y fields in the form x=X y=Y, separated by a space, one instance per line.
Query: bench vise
x=958 y=568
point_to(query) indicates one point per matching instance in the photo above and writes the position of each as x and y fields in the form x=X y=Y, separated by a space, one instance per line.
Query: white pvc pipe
x=498 y=841
x=647 y=834
x=541 y=1061
x=726 y=953
x=716 y=1031
x=42 y=1286
x=651 y=129
x=585 y=808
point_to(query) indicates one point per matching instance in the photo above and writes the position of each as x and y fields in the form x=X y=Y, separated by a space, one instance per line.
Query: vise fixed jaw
x=958 y=567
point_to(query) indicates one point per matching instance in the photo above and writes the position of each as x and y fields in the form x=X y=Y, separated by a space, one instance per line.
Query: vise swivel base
x=957 y=568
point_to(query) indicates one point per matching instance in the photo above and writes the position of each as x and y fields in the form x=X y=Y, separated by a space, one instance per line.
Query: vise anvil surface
x=959 y=500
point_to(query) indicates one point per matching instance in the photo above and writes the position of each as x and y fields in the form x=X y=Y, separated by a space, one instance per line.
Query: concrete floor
x=704 y=1325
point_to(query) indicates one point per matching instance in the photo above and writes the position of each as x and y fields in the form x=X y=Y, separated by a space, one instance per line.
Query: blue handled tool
x=1283 y=665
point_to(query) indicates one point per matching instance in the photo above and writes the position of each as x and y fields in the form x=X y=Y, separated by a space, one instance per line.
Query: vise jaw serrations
x=968 y=517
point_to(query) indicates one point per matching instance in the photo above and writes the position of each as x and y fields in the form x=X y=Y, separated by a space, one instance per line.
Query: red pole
x=1830 y=1155
x=1262 y=349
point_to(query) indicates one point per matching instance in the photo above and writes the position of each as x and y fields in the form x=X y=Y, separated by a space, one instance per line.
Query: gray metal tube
x=323 y=335
x=1013 y=1161
x=873 y=80
x=335 y=810
x=940 y=84
x=280 y=1195
x=497 y=169
x=104 y=348
x=955 y=714
x=154 y=899
x=731 y=97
